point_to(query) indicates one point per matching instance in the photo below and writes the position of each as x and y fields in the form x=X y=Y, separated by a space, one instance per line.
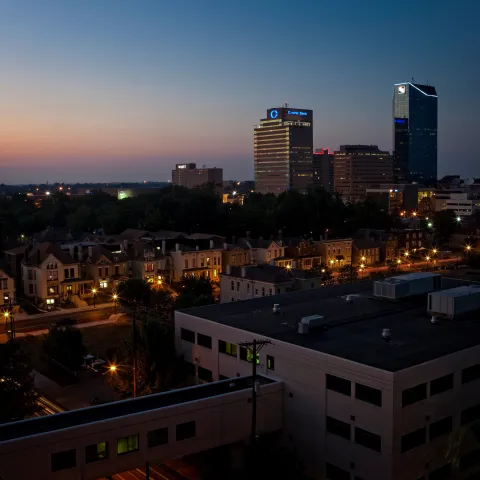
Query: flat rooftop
x=108 y=411
x=353 y=330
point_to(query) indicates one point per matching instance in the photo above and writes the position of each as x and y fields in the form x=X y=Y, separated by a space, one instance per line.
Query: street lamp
x=458 y=219
x=94 y=291
x=114 y=369
x=115 y=298
x=399 y=262
x=434 y=251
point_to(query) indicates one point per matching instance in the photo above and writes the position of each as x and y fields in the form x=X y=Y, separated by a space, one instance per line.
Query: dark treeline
x=192 y=210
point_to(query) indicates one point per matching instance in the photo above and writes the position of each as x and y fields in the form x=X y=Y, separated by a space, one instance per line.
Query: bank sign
x=289 y=114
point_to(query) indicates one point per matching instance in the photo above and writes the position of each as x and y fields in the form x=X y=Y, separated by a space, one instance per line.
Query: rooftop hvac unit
x=454 y=302
x=403 y=286
x=311 y=323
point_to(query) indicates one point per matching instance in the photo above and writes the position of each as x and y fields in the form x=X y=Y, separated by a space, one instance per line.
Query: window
x=66 y=275
x=368 y=439
x=339 y=385
x=238 y=286
x=270 y=291
x=414 y=439
x=186 y=263
x=337 y=427
x=30 y=288
x=204 y=341
x=227 y=348
x=442 y=473
x=30 y=274
x=72 y=272
x=441 y=384
x=471 y=373
x=414 y=394
x=263 y=291
x=106 y=271
x=158 y=437
x=117 y=270
x=64 y=460
x=100 y=271
x=368 y=394
x=334 y=473
x=442 y=427
x=96 y=452
x=470 y=414
x=204 y=374
x=127 y=444
x=270 y=362
x=256 y=291
x=187 y=335
x=247 y=355
x=232 y=285
x=186 y=430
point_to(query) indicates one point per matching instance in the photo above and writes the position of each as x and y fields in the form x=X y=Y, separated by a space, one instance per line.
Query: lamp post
x=114 y=369
x=427 y=258
x=94 y=291
x=115 y=298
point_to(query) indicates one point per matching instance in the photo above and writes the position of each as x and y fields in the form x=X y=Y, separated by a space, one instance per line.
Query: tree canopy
x=65 y=345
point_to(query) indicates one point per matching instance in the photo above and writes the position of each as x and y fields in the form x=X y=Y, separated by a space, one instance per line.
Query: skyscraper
x=323 y=169
x=283 y=147
x=415 y=133
x=361 y=167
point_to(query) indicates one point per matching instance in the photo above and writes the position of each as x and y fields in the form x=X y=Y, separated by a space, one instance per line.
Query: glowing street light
x=434 y=251
x=414 y=214
x=115 y=298
x=406 y=254
x=458 y=219
x=94 y=291
x=468 y=248
x=112 y=368
x=47 y=193
x=363 y=259
x=429 y=224
x=399 y=262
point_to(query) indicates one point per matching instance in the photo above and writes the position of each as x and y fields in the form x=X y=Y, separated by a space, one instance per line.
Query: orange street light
x=399 y=261
x=112 y=368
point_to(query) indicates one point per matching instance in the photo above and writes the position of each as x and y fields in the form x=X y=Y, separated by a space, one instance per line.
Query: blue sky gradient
x=117 y=90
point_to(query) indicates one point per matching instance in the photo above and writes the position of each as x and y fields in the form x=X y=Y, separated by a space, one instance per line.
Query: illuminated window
x=103 y=284
x=127 y=444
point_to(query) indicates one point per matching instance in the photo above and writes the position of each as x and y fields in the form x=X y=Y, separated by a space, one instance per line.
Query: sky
x=121 y=90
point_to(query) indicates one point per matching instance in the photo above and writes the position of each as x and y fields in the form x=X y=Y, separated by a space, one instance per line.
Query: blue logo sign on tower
x=274 y=114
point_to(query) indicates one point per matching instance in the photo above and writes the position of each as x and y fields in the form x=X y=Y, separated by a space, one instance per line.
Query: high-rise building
x=360 y=167
x=415 y=133
x=283 y=147
x=189 y=176
x=323 y=161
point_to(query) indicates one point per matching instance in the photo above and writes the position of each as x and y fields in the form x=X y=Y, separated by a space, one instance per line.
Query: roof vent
x=310 y=324
x=349 y=298
x=386 y=334
x=276 y=308
x=434 y=319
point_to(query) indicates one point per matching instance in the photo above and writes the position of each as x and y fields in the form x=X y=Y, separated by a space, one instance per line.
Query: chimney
x=125 y=244
x=225 y=246
x=71 y=251
x=244 y=272
x=197 y=247
x=228 y=270
x=164 y=247
x=90 y=251
x=211 y=244
x=80 y=253
x=177 y=247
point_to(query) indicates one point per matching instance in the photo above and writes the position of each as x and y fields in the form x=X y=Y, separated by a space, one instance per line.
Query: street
x=30 y=325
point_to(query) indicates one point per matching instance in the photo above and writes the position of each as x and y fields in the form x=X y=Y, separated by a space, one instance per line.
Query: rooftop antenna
x=285 y=105
x=413 y=79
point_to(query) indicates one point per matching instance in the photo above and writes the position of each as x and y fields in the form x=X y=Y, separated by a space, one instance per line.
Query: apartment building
x=301 y=253
x=336 y=252
x=462 y=204
x=52 y=276
x=366 y=252
x=236 y=255
x=263 y=250
x=107 y=268
x=242 y=283
x=7 y=287
x=196 y=261
x=372 y=389
x=149 y=262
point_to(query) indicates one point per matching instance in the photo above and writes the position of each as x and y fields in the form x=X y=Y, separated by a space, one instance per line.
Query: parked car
x=66 y=322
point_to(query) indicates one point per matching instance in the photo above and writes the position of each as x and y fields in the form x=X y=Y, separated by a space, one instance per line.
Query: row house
x=366 y=251
x=51 y=276
x=262 y=251
x=410 y=239
x=387 y=242
x=107 y=268
x=197 y=262
x=148 y=262
x=303 y=254
x=237 y=255
x=7 y=287
x=242 y=283
x=336 y=252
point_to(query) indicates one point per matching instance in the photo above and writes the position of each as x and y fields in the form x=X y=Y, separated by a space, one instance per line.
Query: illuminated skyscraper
x=323 y=169
x=283 y=146
x=415 y=133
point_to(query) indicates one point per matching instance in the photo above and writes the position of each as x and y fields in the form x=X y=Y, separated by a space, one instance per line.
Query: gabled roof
x=269 y=273
x=135 y=234
x=41 y=252
x=99 y=251
x=164 y=234
x=139 y=249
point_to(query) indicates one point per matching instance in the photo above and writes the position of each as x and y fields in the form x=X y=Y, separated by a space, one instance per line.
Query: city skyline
x=96 y=93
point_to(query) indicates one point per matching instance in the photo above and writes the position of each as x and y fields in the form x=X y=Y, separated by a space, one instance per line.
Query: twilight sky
x=121 y=90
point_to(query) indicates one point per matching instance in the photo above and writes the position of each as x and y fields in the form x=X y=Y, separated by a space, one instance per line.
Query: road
x=30 y=325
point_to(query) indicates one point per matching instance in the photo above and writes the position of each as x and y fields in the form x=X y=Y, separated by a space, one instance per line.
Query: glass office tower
x=415 y=133
x=283 y=147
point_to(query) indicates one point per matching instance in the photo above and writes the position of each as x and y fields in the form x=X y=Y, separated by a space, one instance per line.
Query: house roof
x=40 y=252
x=268 y=273
x=135 y=234
x=99 y=251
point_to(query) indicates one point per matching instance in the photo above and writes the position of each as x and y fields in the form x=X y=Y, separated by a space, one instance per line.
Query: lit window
x=127 y=444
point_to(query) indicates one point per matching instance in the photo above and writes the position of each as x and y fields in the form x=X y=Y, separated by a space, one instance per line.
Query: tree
x=347 y=274
x=324 y=273
x=445 y=224
x=158 y=367
x=65 y=345
x=138 y=292
x=17 y=391
x=194 y=292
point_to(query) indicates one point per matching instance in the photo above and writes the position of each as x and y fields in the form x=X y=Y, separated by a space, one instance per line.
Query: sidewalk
x=64 y=312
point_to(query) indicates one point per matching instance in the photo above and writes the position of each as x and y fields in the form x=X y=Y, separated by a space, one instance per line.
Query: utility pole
x=255 y=348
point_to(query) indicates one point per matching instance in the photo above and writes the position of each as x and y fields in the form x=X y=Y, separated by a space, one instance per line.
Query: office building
x=189 y=176
x=360 y=167
x=372 y=388
x=323 y=164
x=459 y=202
x=415 y=133
x=283 y=147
